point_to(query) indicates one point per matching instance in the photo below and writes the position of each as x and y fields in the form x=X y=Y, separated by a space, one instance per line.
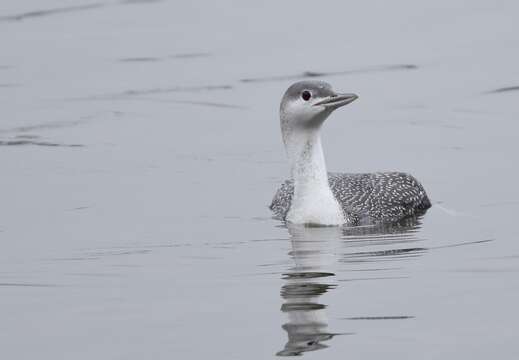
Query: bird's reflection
x=315 y=253
x=309 y=278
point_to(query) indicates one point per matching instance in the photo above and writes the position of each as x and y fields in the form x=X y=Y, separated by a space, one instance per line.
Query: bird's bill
x=336 y=101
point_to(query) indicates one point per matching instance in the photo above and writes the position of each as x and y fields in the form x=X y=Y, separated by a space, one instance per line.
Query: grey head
x=306 y=104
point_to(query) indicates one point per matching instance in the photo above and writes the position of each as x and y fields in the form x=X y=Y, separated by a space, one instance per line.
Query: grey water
x=140 y=148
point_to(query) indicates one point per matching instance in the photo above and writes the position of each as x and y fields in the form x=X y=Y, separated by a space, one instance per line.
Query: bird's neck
x=313 y=201
x=307 y=164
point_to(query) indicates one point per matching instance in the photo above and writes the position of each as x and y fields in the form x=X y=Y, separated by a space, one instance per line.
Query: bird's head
x=306 y=104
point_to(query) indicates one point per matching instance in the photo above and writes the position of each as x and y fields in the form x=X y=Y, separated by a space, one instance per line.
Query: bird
x=314 y=197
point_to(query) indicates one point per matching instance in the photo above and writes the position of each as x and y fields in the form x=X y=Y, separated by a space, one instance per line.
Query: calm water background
x=140 y=148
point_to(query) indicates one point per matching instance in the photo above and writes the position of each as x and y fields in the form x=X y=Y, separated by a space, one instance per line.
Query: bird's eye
x=306 y=95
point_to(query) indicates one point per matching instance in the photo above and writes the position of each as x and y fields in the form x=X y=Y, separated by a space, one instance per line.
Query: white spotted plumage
x=366 y=198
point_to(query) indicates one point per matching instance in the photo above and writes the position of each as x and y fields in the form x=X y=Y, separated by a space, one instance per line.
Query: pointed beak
x=336 y=101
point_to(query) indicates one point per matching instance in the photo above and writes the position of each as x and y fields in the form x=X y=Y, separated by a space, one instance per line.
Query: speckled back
x=366 y=198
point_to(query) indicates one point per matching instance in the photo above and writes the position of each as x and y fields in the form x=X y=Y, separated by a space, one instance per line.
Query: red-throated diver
x=313 y=196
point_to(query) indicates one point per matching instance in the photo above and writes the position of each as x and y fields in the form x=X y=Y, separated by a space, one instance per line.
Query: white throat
x=313 y=201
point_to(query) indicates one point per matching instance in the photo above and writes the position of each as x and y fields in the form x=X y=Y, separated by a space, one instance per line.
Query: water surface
x=140 y=147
